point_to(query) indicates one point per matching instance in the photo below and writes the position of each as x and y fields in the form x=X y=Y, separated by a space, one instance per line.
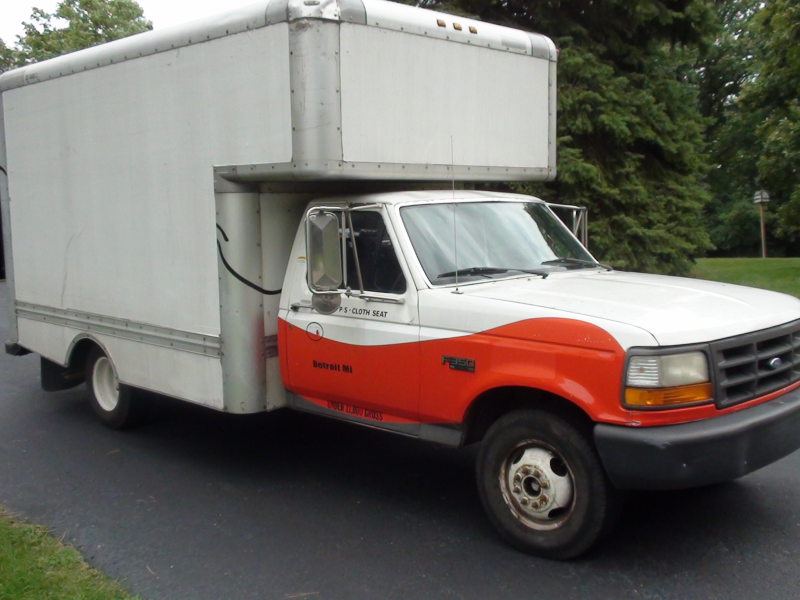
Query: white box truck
x=266 y=210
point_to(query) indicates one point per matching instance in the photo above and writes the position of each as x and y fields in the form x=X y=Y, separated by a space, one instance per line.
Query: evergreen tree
x=630 y=143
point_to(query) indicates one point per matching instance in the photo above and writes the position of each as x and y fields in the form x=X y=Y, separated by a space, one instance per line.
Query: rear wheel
x=543 y=486
x=111 y=401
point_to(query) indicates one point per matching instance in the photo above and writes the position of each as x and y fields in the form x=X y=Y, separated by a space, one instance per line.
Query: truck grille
x=755 y=364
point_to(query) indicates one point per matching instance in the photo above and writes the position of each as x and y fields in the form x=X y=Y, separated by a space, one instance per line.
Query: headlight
x=667 y=380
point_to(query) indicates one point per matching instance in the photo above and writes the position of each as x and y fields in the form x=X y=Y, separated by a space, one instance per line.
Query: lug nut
x=517 y=478
x=537 y=473
x=525 y=470
x=524 y=501
x=544 y=485
x=543 y=498
x=517 y=489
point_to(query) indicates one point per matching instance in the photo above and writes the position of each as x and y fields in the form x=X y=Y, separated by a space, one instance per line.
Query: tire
x=543 y=486
x=111 y=401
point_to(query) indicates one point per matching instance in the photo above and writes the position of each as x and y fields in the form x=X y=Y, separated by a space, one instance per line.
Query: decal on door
x=356 y=411
x=364 y=312
x=315 y=332
x=326 y=366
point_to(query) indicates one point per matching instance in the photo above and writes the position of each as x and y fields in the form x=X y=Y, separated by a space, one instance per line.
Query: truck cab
x=465 y=316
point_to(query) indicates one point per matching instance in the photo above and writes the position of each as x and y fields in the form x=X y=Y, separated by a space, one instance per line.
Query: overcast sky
x=161 y=12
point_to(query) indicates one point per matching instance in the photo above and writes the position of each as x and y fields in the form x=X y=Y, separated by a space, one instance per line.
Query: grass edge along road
x=777 y=274
x=37 y=566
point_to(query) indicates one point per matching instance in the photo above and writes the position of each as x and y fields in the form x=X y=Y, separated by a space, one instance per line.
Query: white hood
x=674 y=310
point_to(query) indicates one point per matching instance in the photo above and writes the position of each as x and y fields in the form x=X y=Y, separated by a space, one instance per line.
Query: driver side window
x=380 y=269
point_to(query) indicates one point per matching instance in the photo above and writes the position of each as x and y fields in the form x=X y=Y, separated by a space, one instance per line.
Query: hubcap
x=105 y=384
x=537 y=486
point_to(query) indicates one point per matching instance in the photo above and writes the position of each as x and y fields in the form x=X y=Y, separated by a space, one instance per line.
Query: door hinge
x=269 y=346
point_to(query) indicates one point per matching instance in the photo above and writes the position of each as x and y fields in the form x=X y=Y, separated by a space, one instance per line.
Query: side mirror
x=324 y=254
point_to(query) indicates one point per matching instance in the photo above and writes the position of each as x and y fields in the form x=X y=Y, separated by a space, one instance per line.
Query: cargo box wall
x=111 y=182
x=402 y=104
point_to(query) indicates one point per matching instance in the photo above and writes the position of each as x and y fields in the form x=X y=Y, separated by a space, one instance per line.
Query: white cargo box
x=118 y=161
x=292 y=89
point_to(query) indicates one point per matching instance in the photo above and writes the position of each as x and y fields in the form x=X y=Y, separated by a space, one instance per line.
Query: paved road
x=201 y=505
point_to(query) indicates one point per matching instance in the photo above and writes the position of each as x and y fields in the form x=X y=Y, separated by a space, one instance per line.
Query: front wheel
x=543 y=486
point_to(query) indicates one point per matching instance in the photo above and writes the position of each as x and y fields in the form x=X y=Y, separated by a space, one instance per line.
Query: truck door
x=361 y=361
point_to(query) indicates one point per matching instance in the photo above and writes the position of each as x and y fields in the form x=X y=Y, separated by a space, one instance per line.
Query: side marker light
x=441 y=23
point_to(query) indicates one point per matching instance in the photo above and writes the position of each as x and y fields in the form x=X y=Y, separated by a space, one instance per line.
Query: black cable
x=235 y=274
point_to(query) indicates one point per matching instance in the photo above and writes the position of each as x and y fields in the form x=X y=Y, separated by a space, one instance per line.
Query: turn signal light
x=685 y=394
x=457 y=26
x=441 y=23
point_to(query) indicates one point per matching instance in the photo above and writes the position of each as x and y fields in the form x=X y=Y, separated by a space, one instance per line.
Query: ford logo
x=775 y=363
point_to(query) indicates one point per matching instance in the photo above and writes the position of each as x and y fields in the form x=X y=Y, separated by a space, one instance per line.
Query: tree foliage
x=75 y=24
x=7 y=58
x=725 y=67
x=774 y=96
x=753 y=83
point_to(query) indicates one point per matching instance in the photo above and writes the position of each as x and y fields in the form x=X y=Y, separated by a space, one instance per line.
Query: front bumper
x=703 y=452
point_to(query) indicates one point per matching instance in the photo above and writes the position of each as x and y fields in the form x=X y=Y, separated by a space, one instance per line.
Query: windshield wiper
x=486 y=271
x=577 y=261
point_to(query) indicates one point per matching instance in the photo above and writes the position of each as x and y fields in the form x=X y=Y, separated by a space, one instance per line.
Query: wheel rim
x=538 y=486
x=105 y=384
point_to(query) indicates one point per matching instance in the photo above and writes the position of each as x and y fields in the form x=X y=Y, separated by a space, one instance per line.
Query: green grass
x=36 y=566
x=778 y=274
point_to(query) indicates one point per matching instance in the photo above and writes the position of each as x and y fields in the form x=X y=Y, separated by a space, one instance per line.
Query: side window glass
x=380 y=269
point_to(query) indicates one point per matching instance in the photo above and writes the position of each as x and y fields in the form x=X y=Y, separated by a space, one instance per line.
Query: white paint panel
x=280 y=217
x=111 y=175
x=444 y=314
x=184 y=375
x=401 y=103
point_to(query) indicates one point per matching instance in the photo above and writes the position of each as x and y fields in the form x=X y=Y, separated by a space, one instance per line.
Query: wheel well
x=55 y=377
x=493 y=404
x=77 y=359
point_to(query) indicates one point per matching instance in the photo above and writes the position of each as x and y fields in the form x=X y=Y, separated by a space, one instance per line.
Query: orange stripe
x=408 y=382
x=573 y=359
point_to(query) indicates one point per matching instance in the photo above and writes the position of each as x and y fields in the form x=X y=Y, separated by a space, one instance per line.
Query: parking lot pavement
x=198 y=504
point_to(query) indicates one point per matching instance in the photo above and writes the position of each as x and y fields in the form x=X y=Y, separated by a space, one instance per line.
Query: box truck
x=270 y=209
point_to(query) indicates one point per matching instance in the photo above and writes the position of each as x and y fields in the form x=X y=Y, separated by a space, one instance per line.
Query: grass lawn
x=35 y=566
x=779 y=274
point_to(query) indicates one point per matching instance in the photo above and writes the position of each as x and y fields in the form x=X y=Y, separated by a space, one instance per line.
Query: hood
x=674 y=310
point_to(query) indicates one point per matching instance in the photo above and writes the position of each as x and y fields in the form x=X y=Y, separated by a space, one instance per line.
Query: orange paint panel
x=382 y=378
x=573 y=359
x=413 y=382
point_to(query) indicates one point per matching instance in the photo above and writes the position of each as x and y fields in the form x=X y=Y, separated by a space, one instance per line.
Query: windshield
x=493 y=239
